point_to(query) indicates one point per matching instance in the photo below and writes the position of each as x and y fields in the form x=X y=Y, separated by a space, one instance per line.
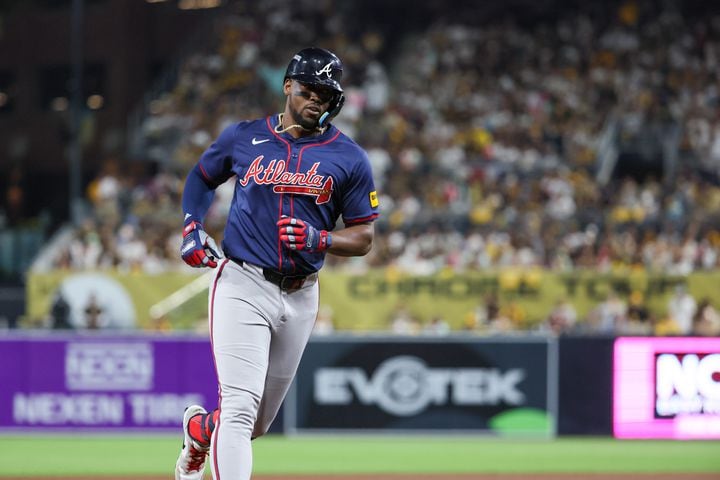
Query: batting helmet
x=317 y=66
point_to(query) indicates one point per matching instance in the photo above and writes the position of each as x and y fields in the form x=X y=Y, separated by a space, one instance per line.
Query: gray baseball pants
x=258 y=334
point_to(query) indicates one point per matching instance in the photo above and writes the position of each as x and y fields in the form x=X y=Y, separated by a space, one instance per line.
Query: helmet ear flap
x=332 y=110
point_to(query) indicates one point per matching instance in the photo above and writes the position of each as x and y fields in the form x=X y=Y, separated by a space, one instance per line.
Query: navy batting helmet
x=316 y=66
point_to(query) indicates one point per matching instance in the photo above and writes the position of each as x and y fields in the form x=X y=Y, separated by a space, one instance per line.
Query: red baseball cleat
x=191 y=462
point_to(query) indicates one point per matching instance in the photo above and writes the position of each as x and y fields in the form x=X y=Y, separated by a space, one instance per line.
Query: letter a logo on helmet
x=327 y=69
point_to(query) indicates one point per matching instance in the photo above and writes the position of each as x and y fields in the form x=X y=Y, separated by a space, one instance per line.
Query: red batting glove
x=198 y=248
x=299 y=235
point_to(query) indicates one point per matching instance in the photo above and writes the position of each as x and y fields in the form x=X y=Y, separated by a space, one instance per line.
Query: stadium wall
x=507 y=386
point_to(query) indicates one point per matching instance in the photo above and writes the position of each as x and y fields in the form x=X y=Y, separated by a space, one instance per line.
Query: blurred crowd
x=613 y=316
x=488 y=140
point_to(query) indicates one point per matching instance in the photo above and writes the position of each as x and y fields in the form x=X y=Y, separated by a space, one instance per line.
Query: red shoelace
x=197 y=459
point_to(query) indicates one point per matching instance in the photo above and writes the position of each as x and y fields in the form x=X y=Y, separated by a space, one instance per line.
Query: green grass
x=95 y=455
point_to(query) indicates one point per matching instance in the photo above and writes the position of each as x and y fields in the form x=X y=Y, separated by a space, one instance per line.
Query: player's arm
x=360 y=208
x=197 y=196
x=352 y=241
x=198 y=248
x=214 y=167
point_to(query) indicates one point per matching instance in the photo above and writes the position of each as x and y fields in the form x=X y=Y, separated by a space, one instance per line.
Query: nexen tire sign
x=460 y=385
x=61 y=383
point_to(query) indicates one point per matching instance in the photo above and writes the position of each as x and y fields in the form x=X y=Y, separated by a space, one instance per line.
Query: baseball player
x=296 y=175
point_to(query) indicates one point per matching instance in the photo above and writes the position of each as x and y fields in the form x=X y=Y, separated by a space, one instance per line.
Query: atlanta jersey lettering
x=317 y=179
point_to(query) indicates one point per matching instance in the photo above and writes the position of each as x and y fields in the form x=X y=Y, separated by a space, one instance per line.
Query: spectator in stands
x=60 y=313
x=706 y=321
x=639 y=320
x=561 y=319
x=500 y=320
x=666 y=326
x=436 y=326
x=682 y=308
x=94 y=314
x=403 y=322
x=609 y=316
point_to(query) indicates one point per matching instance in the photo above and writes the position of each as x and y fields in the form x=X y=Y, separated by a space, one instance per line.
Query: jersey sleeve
x=360 y=201
x=215 y=164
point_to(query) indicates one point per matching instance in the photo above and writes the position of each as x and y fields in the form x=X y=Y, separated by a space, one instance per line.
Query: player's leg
x=197 y=424
x=241 y=309
x=286 y=347
x=288 y=342
x=289 y=338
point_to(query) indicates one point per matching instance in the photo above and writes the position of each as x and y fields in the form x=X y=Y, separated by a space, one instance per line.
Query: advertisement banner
x=366 y=302
x=525 y=296
x=501 y=386
x=99 y=383
x=667 y=388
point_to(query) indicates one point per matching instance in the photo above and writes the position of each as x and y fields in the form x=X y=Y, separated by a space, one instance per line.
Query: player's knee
x=260 y=430
x=239 y=411
x=237 y=418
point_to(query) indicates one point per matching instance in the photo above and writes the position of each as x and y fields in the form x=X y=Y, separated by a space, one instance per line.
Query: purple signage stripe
x=94 y=382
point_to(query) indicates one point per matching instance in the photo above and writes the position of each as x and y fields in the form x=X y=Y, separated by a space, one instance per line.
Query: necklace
x=278 y=128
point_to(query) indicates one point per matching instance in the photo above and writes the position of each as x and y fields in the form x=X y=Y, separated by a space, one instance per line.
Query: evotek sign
x=405 y=386
x=687 y=384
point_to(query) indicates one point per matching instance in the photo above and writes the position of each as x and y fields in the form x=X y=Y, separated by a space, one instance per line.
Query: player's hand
x=299 y=235
x=198 y=248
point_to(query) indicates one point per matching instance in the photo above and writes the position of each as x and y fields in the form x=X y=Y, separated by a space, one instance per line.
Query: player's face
x=306 y=102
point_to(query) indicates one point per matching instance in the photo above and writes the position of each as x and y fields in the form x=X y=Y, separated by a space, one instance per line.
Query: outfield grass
x=155 y=455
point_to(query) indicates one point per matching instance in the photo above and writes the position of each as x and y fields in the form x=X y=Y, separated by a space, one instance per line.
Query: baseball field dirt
x=479 y=476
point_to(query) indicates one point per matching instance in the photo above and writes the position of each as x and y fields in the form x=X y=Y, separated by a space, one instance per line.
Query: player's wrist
x=325 y=240
x=193 y=225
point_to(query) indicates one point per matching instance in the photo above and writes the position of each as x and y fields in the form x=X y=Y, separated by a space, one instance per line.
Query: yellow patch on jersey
x=373 y=199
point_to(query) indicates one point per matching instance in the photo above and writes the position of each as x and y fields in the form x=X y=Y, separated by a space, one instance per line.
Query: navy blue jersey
x=316 y=179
